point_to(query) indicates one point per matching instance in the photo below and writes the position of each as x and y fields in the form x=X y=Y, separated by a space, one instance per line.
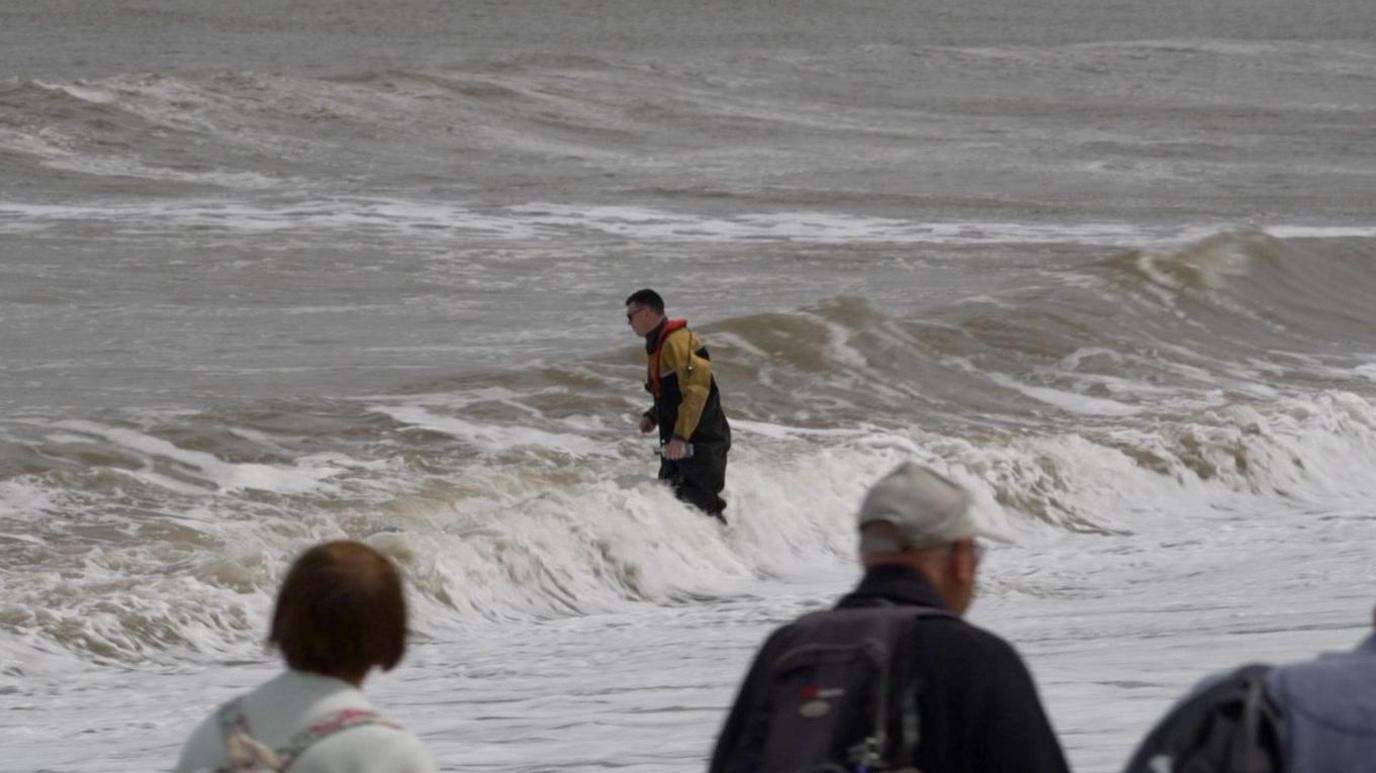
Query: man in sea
x=694 y=435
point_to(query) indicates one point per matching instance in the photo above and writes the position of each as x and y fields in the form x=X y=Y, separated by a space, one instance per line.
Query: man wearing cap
x=973 y=705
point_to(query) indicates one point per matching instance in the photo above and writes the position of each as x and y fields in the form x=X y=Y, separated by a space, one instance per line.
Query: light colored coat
x=291 y=701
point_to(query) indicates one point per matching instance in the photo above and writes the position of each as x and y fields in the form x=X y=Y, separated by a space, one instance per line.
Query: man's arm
x=1013 y=732
x=694 y=379
x=730 y=737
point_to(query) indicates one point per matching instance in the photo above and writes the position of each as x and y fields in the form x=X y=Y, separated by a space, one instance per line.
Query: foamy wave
x=435 y=221
x=1067 y=401
x=57 y=151
x=493 y=437
x=1087 y=406
x=1208 y=252
x=523 y=536
x=194 y=472
x=1321 y=232
x=818 y=227
x=119 y=166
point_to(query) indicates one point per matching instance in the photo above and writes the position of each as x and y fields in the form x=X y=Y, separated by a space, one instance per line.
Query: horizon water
x=270 y=276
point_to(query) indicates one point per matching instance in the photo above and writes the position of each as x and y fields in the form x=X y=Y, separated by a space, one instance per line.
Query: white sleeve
x=203 y=750
x=411 y=756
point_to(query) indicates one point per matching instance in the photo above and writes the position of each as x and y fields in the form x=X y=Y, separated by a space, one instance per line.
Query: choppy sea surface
x=271 y=275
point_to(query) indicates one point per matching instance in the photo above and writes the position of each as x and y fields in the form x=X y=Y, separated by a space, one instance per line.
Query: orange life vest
x=652 y=373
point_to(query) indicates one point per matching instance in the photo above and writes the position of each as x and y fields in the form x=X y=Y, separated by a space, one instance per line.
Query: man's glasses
x=630 y=315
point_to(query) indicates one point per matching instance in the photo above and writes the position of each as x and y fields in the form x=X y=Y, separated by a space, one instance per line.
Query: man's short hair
x=647 y=298
x=340 y=611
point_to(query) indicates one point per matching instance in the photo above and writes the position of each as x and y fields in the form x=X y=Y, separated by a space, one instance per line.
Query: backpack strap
x=910 y=722
x=908 y=685
x=338 y=722
x=246 y=754
x=232 y=718
x=1263 y=723
x=1230 y=722
x=242 y=752
x=905 y=684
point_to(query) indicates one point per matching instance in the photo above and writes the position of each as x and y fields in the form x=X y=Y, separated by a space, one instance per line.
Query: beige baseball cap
x=928 y=510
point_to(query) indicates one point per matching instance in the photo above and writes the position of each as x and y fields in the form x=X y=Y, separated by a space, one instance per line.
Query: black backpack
x=826 y=703
x=1232 y=726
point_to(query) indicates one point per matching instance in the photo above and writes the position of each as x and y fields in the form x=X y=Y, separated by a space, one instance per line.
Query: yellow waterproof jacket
x=679 y=375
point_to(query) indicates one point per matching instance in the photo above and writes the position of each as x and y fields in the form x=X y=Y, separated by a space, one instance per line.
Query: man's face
x=642 y=319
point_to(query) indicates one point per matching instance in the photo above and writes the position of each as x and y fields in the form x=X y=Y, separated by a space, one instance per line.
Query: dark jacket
x=977 y=705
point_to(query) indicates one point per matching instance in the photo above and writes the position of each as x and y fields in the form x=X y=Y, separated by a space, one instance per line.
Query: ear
x=962 y=562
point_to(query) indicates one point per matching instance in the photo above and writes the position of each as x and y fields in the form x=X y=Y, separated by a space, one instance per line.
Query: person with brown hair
x=340 y=612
